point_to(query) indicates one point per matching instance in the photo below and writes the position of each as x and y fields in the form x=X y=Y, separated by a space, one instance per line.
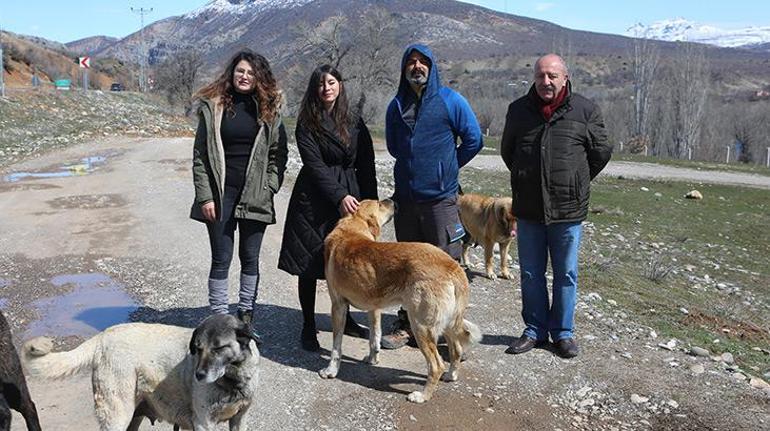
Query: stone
x=758 y=383
x=586 y=403
x=644 y=189
x=698 y=369
x=694 y=194
x=684 y=311
x=699 y=351
x=673 y=404
x=653 y=334
x=670 y=345
x=727 y=358
x=583 y=391
x=638 y=399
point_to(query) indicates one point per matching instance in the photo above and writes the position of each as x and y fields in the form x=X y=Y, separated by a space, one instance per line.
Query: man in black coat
x=554 y=143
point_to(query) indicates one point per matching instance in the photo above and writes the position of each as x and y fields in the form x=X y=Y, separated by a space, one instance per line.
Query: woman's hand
x=348 y=205
x=209 y=211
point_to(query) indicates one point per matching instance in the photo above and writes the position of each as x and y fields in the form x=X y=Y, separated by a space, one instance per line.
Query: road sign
x=62 y=84
x=84 y=62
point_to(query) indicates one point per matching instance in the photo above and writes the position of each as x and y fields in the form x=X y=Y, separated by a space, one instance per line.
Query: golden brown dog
x=373 y=275
x=488 y=220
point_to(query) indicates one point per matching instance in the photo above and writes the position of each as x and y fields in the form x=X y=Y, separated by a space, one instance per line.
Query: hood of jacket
x=434 y=81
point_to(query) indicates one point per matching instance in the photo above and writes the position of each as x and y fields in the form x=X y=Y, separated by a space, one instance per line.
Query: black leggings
x=306 y=289
x=222 y=238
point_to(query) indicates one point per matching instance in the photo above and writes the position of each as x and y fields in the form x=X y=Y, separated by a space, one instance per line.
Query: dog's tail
x=466 y=332
x=39 y=361
x=470 y=335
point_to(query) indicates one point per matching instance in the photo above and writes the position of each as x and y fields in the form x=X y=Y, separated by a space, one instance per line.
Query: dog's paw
x=416 y=397
x=372 y=358
x=506 y=275
x=450 y=376
x=328 y=373
x=492 y=276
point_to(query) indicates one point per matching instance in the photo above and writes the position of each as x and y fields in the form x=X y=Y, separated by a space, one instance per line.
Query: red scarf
x=548 y=108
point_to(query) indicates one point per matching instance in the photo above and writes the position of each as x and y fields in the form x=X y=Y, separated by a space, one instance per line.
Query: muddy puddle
x=84 y=167
x=3 y=285
x=95 y=303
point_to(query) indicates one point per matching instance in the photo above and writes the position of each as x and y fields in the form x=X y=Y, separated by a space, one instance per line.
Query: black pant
x=222 y=238
x=436 y=222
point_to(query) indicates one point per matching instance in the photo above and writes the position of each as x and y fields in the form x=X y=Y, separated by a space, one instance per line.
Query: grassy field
x=658 y=254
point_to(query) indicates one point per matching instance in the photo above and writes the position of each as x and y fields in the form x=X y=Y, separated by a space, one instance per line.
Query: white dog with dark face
x=193 y=379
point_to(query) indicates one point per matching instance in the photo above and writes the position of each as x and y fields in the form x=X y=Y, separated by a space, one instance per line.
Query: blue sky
x=62 y=21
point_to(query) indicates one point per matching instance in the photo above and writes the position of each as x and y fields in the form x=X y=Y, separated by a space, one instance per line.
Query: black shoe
x=567 y=348
x=245 y=316
x=353 y=329
x=400 y=334
x=523 y=344
x=309 y=339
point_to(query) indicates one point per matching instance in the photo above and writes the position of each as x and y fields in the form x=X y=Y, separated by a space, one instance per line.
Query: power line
x=142 y=49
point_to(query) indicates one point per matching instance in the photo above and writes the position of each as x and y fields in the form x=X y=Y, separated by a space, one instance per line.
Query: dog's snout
x=391 y=202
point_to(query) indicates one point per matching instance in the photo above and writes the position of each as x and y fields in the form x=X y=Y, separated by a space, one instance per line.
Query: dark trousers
x=222 y=238
x=435 y=222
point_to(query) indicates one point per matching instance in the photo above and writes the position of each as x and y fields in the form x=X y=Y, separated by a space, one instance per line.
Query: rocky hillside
x=32 y=122
x=457 y=31
x=24 y=56
x=90 y=45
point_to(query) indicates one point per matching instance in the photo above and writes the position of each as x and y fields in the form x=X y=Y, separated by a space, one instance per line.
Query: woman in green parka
x=239 y=158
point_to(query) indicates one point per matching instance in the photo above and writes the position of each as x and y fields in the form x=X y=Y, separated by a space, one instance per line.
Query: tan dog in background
x=373 y=275
x=488 y=220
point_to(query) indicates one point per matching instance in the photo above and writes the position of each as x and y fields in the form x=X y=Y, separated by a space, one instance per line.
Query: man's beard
x=417 y=79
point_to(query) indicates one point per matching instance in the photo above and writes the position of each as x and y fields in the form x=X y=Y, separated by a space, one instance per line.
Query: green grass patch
x=656 y=253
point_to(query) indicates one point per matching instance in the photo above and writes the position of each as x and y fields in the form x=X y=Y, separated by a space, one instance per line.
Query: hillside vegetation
x=32 y=122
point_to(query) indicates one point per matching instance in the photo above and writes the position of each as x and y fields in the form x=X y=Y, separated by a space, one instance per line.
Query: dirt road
x=107 y=240
x=652 y=171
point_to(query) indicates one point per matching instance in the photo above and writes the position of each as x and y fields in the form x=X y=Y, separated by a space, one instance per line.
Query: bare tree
x=373 y=66
x=327 y=41
x=176 y=76
x=645 y=60
x=687 y=88
x=364 y=51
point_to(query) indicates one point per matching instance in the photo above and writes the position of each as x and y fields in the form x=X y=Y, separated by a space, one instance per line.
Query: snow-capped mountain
x=680 y=29
x=243 y=6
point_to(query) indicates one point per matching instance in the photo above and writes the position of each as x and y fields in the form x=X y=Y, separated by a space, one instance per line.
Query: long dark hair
x=266 y=88
x=312 y=108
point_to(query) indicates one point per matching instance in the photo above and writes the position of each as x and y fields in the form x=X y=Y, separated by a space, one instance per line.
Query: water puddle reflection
x=96 y=303
x=3 y=284
x=86 y=166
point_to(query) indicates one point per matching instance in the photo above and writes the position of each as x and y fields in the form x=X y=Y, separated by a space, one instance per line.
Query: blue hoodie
x=428 y=159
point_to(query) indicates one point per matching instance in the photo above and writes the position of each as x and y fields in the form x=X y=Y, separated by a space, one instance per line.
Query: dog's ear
x=373 y=224
x=243 y=334
x=193 y=347
x=501 y=211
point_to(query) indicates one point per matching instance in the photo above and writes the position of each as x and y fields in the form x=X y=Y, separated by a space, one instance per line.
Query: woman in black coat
x=337 y=171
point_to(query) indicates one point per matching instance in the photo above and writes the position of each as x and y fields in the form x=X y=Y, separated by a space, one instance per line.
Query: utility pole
x=142 y=48
x=2 y=70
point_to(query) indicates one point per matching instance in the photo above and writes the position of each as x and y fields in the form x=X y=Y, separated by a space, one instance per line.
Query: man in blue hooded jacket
x=422 y=125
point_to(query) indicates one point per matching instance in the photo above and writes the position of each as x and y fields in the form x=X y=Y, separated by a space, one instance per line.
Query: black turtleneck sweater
x=239 y=130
